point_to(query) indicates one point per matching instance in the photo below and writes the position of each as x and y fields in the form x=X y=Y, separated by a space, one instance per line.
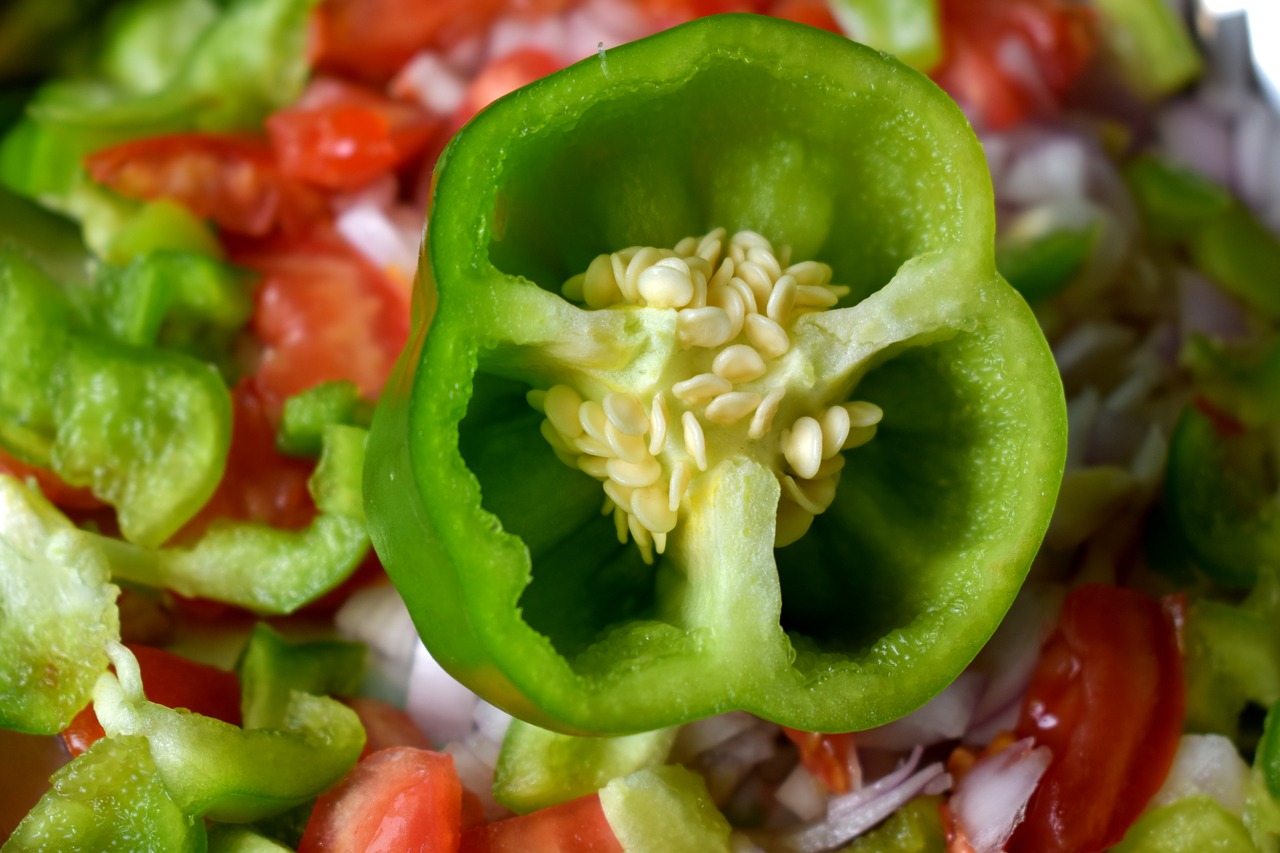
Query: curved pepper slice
x=516 y=581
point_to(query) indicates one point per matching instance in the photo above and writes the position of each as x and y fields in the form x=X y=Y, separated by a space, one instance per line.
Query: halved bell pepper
x=516 y=581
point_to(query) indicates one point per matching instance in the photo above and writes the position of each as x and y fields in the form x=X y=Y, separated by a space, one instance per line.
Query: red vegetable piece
x=1008 y=59
x=826 y=756
x=1107 y=698
x=386 y=726
x=50 y=484
x=578 y=826
x=401 y=799
x=227 y=178
x=341 y=136
x=171 y=680
x=502 y=76
x=322 y=313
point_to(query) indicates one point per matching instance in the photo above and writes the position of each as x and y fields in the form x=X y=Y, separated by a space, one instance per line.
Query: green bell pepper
x=57 y=613
x=1189 y=825
x=262 y=568
x=909 y=29
x=226 y=838
x=914 y=828
x=272 y=668
x=307 y=414
x=520 y=586
x=1150 y=44
x=215 y=770
x=664 y=810
x=539 y=768
x=111 y=799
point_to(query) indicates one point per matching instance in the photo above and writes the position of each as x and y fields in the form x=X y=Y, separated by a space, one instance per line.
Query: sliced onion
x=431 y=81
x=476 y=776
x=802 y=794
x=388 y=237
x=438 y=703
x=377 y=617
x=991 y=799
x=1207 y=765
x=944 y=717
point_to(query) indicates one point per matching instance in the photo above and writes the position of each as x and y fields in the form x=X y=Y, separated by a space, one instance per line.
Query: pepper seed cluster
x=738 y=300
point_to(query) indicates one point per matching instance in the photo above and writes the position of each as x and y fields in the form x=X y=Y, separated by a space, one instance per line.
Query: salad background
x=309 y=163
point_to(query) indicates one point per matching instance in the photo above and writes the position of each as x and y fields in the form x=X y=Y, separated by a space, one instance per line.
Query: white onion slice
x=432 y=82
x=944 y=717
x=377 y=617
x=991 y=799
x=802 y=794
x=387 y=237
x=438 y=703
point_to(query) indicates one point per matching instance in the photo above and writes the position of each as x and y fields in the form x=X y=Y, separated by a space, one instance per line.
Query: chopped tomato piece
x=341 y=137
x=386 y=726
x=1107 y=698
x=1008 y=59
x=229 y=179
x=503 y=76
x=50 y=484
x=829 y=757
x=173 y=681
x=815 y=13
x=371 y=39
x=953 y=832
x=400 y=799
x=578 y=826
x=322 y=313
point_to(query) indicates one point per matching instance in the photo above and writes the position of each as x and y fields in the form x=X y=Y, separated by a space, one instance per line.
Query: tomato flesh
x=1107 y=698
x=398 y=800
x=578 y=826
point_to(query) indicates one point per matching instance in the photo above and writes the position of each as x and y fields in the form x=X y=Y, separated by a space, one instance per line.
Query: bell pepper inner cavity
x=728 y=382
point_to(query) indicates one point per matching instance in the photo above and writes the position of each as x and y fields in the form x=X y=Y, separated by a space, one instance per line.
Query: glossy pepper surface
x=517 y=582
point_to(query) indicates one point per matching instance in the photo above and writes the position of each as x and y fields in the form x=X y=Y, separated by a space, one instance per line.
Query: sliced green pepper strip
x=539 y=768
x=1222 y=498
x=1152 y=47
x=914 y=828
x=517 y=583
x=222 y=772
x=909 y=29
x=273 y=668
x=1245 y=385
x=1040 y=267
x=1233 y=656
x=110 y=799
x=225 y=838
x=57 y=613
x=664 y=810
x=1174 y=201
x=307 y=414
x=1189 y=825
x=262 y=568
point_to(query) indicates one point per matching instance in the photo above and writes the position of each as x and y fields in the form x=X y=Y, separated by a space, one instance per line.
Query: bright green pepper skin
x=689 y=821
x=1190 y=825
x=57 y=613
x=215 y=770
x=109 y=800
x=272 y=667
x=516 y=582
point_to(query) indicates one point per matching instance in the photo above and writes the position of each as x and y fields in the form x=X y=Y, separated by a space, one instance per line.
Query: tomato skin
x=826 y=756
x=340 y=136
x=578 y=826
x=385 y=725
x=224 y=177
x=322 y=312
x=398 y=800
x=1107 y=698
x=170 y=680
x=1009 y=59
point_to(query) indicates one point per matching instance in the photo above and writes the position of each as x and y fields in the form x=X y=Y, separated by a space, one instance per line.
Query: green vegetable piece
x=1267 y=758
x=1174 y=201
x=1242 y=256
x=914 y=828
x=48 y=240
x=1233 y=656
x=262 y=568
x=34 y=335
x=518 y=583
x=273 y=668
x=1190 y=825
x=664 y=810
x=1222 y=497
x=308 y=413
x=539 y=768
x=57 y=613
x=148 y=41
x=216 y=770
x=1150 y=44
x=1261 y=814
x=1241 y=382
x=225 y=838
x=909 y=29
x=1040 y=267
x=154 y=226
x=110 y=799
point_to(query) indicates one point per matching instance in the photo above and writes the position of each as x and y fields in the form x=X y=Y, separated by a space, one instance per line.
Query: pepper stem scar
x=724 y=294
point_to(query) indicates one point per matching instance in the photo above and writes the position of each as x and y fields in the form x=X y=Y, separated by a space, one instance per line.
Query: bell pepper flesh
x=517 y=584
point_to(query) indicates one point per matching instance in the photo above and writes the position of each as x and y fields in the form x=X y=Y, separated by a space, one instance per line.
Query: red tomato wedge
x=385 y=725
x=826 y=756
x=1107 y=698
x=229 y=179
x=173 y=681
x=1008 y=59
x=322 y=313
x=503 y=76
x=340 y=136
x=399 y=800
x=578 y=826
